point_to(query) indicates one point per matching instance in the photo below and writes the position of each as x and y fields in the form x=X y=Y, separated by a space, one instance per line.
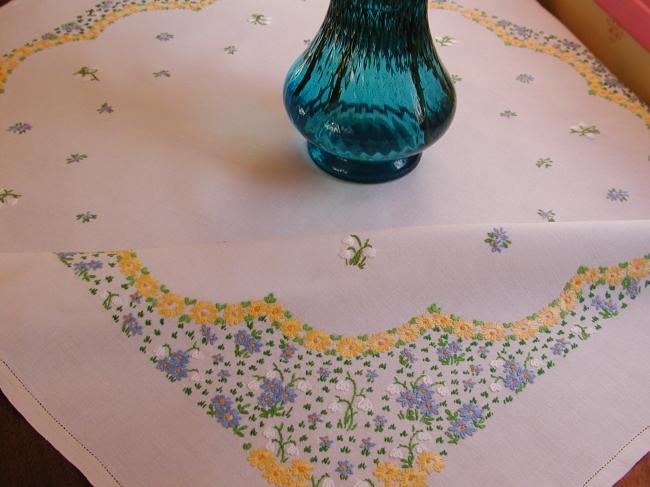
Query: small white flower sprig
x=355 y=252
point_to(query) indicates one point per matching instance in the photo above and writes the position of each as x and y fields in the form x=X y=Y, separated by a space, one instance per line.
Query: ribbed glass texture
x=370 y=89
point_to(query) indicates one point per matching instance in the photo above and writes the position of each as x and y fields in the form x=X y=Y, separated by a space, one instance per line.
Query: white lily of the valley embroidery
x=362 y=483
x=334 y=407
x=427 y=380
x=349 y=240
x=576 y=330
x=343 y=386
x=496 y=387
x=254 y=385
x=272 y=374
x=161 y=352
x=424 y=437
x=370 y=252
x=291 y=450
x=497 y=363
x=443 y=391
x=346 y=254
x=397 y=453
x=197 y=354
x=303 y=386
x=393 y=389
x=270 y=446
x=535 y=363
x=328 y=482
x=196 y=377
x=420 y=449
x=269 y=433
x=364 y=404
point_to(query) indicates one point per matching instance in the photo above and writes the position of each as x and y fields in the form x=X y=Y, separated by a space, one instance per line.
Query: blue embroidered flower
x=164 y=365
x=470 y=411
x=428 y=407
x=560 y=346
x=498 y=240
x=462 y=428
x=208 y=333
x=180 y=357
x=408 y=399
x=371 y=375
x=242 y=337
x=323 y=373
x=468 y=384
x=131 y=325
x=366 y=444
x=165 y=36
x=95 y=264
x=223 y=374
x=221 y=402
x=344 y=469
x=266 y=400
x=407 y=355
x=19 y=128
x=617 y=195
x=512 y=382
x=229 y=418
x=475 y=369
x=632 y=288
x=287 y=394
x=80 y=266
x=135 y=298
x=525 y=78
x=313 y=419
x=526 y=376
x=217 y=358
x=325 y=443
x=380 y=421
x=605 y=305
x=288 y=352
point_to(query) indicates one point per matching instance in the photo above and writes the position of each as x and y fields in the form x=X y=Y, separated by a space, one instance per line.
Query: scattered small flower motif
x=548 y=216
x=163 y=73
x=105 y=108
x=313 y=419
x=86 y=217
x=74 y=158
x=344 y=469
x=208 y=334
x=364 y=404
x=496 y=387
x=165 y=36
x=508 y=114
x=525 y=78
x=584 y=130
x=9 y=196
x=607 y=307
x=498 y=240
x=456 y=79
x=366 y=444
x=617 y=195
x=561 y=345
x=223 y=374
x=355 y=252
x=323 y=373
x=259 y=19
x=19 y=128
x=443 y=391
x=545 y=162
x=217 y=359
x=325 y=443
x=475 y=369
x=371 y=375
x=230 y=50
x=444 y=41
x=380 y=422
x=87 y=73
x=407 y=357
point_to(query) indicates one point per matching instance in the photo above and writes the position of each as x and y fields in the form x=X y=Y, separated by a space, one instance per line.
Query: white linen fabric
x=276 y=325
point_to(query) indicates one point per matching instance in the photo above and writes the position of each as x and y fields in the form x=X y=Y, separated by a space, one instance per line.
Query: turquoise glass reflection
x=370 y=93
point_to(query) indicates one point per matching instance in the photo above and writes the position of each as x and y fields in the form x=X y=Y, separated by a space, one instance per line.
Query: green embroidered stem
x=281 y=453
x=408 y=462
x=347 y=422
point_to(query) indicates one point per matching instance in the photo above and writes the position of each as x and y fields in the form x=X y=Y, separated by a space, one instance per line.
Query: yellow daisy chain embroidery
x=170 y=305
x=203 y=312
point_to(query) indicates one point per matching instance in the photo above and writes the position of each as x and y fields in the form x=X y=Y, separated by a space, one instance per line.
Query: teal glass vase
x=370 y=93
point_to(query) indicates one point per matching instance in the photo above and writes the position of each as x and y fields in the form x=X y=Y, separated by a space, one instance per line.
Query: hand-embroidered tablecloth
x=483 y=320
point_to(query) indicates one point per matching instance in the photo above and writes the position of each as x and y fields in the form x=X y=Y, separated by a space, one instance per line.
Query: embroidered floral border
x=95 y=20
x=375 y=410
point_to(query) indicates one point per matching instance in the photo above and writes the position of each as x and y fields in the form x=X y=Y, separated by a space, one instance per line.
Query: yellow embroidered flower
x=147 y=285
x=425 y=322
x=524 y=329
x=409 y=332
x=549 y=316
x=130 y=266
x=125 y=254
x=317 y=340
x=387 y=472
x=567 y=300
x=577 y=282
x=291 y=328
x=614 y=275
x=275 y=474
x=261 y=458
x=350 y=347
x=381 y=342
x=493 y=331
x=638 y=268
x=170 y=305
x=275 y=312
x=301 y=469
x=442 y=320
x=592 y=274
x=234 y=314
x=412 y=478
x=430 y=462
x=464 y=329
x=257 y=309
x=203 y=312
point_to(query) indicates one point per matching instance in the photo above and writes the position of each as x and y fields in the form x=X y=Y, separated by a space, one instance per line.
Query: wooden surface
x=28 y=460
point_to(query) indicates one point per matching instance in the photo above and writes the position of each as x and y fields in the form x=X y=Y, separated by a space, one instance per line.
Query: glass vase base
x=362 y=171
